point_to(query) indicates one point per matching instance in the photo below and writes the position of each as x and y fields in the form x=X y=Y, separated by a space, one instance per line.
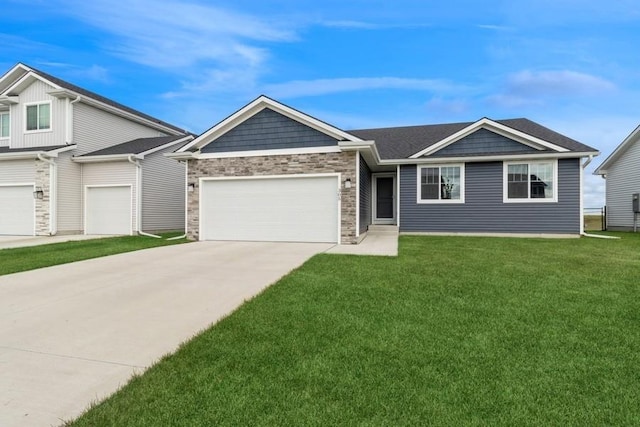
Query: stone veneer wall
x=42 y=206
x=294 y=164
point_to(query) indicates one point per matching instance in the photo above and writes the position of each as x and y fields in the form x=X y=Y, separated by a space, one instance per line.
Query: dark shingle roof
x=4 y=150
x=69 y=86
x=136 y=146
x=403 y=142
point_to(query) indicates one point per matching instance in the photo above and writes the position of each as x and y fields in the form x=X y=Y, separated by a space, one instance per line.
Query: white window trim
x=50 y=129
x=419 y=199
x=505 y=181
x=8 y=112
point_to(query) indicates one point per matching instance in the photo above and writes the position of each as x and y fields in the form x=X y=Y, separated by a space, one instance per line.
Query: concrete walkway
x=7 y=242
x=74 y=333
x=380 y=241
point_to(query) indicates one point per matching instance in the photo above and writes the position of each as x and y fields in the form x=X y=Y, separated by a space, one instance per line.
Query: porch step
x=383 y=229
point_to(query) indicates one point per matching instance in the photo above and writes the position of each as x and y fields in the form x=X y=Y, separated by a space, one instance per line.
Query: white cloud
x=301 y=88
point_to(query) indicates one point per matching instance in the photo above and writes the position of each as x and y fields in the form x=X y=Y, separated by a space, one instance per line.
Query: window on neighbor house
x=4 y=124
x=38 y=116
x=534 y=181
x=441 y=183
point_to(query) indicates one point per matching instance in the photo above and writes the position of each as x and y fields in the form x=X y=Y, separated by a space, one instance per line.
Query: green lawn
x=455 y=331
x=29 y=258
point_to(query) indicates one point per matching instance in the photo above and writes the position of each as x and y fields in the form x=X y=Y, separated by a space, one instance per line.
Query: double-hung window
x=38 y=116
x=530 y=181
x=4 y=124
x=441 y=184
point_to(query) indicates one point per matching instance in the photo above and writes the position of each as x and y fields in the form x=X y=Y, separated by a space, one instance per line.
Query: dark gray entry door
x=385 y=206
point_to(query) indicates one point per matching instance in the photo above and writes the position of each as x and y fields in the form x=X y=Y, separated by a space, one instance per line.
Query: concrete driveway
x=74 y=333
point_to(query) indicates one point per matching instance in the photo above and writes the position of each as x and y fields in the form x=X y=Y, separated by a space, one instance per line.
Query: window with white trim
x=443 y=183
x=530 y=181
x=5 y=121
x=38 y=116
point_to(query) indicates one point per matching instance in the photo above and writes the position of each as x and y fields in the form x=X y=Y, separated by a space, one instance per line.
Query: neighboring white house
x=72 y=161
x=622 y=172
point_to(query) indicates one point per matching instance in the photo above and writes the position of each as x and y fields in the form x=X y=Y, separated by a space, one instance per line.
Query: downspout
x=582 y=232
x=69 y=130
x=186 y=201
x=53 y=196
x=135 y=162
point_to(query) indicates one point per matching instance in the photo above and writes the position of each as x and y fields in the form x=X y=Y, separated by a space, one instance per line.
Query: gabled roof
x=21 y=72
x=137 y=147
x=633 y=138
x=255 y=107
x=415 y=141
x=7 y=153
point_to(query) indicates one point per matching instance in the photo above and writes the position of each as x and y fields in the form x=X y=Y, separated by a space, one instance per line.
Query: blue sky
x=571 y=65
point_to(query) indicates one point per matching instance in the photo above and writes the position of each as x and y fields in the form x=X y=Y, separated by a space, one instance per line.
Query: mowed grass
x=593 y=222
x=455 y=331
x=14 y=260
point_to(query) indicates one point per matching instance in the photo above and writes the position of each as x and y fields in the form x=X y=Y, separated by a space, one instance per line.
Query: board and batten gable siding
x=17 y=171
x=163 y=192
x=69 y=194
x=269 y=130
x=95 y=129
x=365 y=196
x=623 y=180
x=481 y=142
x=484 y=210
x=111 y=173
x=34 y=93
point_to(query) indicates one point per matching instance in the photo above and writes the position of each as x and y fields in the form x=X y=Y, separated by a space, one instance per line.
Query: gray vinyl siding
x=69 y=194
x=95 y=129
x=112 y=173
x=481 y=142
x=623 y=179
x=484 y=210
x=163 y=192
x=17 y=172
x=34 y=93
x=365 y=196
x=269 y=130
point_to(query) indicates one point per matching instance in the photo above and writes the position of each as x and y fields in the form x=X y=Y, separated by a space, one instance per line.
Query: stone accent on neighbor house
x=293 y=164
x=43 y=213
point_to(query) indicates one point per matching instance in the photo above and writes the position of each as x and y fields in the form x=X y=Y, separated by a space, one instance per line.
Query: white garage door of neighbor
x=300 y=209
x=108 y=210
x=17 y=210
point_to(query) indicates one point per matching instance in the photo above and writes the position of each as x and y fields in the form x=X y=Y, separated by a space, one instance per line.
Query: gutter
x=133 y=160
x=53 y=196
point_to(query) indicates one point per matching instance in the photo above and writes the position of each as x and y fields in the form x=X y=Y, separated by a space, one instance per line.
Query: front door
x=384 y=200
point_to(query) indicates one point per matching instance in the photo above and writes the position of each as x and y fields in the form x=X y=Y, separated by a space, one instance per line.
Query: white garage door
x=291 y=209
x=17 y=210
x=108 y=210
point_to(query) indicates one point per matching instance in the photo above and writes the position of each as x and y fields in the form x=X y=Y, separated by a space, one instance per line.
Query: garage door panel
x=272 y=209
x=17 y=210
x=108 y=210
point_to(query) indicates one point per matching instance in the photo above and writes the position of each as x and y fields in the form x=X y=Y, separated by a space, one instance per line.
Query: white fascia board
x=167 y=145
x=257 y=153
x=361 y=146
x=181 y=155
x=9 y=100
x=54 y=153
x=620 y=149
x=493 y=126
x=23 y=155
x=255 y=107
x=9 y=73
x=497 y=158
x=105 y=158
x=30 y=74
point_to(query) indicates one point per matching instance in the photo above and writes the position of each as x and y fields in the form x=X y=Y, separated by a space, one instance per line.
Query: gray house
x=270 y=172
x=622 y=172
x=72 y=161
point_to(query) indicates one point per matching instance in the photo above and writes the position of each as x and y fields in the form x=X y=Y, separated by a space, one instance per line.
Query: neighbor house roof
x=92 y=95
x=138 y=146
x=404 y=142
x=4 y=150
x=633 y=138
